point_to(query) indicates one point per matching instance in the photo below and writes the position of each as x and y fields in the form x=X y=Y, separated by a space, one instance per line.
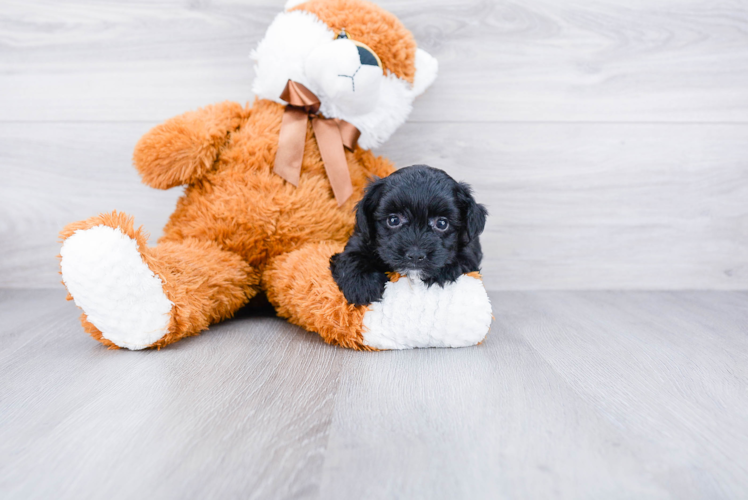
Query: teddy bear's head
x=359 y=60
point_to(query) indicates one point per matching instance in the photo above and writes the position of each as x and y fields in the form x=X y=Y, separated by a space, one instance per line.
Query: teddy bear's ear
x=426 y=68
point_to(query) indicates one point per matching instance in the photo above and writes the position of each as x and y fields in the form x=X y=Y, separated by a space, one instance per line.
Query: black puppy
x=417 y=221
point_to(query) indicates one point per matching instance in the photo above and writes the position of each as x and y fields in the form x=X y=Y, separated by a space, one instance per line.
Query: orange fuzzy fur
x=205 y=283
x=239 y=228
x=302 y=289
x=237 y=216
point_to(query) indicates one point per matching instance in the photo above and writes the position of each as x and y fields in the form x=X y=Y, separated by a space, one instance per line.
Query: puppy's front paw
x=360 y=286
x=365 y=289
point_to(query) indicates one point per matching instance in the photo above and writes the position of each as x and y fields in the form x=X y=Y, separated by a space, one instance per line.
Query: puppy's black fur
x=417 y=220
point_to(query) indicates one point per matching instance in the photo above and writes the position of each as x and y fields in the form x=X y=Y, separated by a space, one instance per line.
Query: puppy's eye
x=394 y=220
x=441 y=224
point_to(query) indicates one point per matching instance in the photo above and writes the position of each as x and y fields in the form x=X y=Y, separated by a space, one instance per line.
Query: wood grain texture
x=600 y=60
x=607 y=137
x=171 y=437
x=582 y=206
x=62 y=173
x=600 y=206
x=573 y=395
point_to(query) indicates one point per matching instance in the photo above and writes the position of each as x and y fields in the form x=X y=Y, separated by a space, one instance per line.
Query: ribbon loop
x=296 y=94
x=332 y=136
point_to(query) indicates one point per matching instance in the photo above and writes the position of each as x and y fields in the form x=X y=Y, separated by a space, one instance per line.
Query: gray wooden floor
x=573 y=395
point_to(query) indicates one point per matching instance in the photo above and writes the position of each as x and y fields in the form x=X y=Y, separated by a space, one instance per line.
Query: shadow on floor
x=258 y=307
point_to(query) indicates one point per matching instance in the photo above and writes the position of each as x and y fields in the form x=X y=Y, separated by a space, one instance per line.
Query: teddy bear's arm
x=182 y=149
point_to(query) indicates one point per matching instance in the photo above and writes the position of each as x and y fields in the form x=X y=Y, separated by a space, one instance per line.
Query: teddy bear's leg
x=300 y=286
x=410 y=314
x=134 y=296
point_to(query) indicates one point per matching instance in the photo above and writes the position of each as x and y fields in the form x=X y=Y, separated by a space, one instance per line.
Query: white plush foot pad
x=104 y=272
x=414 y=315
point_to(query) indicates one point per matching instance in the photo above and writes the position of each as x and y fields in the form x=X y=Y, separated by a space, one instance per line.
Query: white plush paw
x=412 y=314
x=104 y=272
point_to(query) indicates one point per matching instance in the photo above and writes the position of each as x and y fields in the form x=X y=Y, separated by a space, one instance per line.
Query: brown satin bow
x=332 y=135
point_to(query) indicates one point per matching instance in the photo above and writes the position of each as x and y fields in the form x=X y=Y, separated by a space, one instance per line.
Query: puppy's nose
x=415 y=255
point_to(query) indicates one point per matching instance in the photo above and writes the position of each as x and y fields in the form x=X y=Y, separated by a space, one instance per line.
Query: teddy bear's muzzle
x=345 y=75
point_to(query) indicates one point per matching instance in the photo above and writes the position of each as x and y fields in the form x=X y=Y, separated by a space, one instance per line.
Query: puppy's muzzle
x=415 y=256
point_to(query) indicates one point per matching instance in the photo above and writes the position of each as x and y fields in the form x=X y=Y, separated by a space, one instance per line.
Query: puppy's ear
x=473 y=214
x=365 y=223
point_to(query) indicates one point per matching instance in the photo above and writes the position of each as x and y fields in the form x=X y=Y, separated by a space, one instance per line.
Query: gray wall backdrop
x=609 y=138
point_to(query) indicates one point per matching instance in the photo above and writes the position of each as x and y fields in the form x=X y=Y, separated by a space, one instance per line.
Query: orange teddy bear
x=270 y=189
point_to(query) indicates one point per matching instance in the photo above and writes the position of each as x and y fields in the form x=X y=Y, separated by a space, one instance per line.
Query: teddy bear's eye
x=367 y=56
